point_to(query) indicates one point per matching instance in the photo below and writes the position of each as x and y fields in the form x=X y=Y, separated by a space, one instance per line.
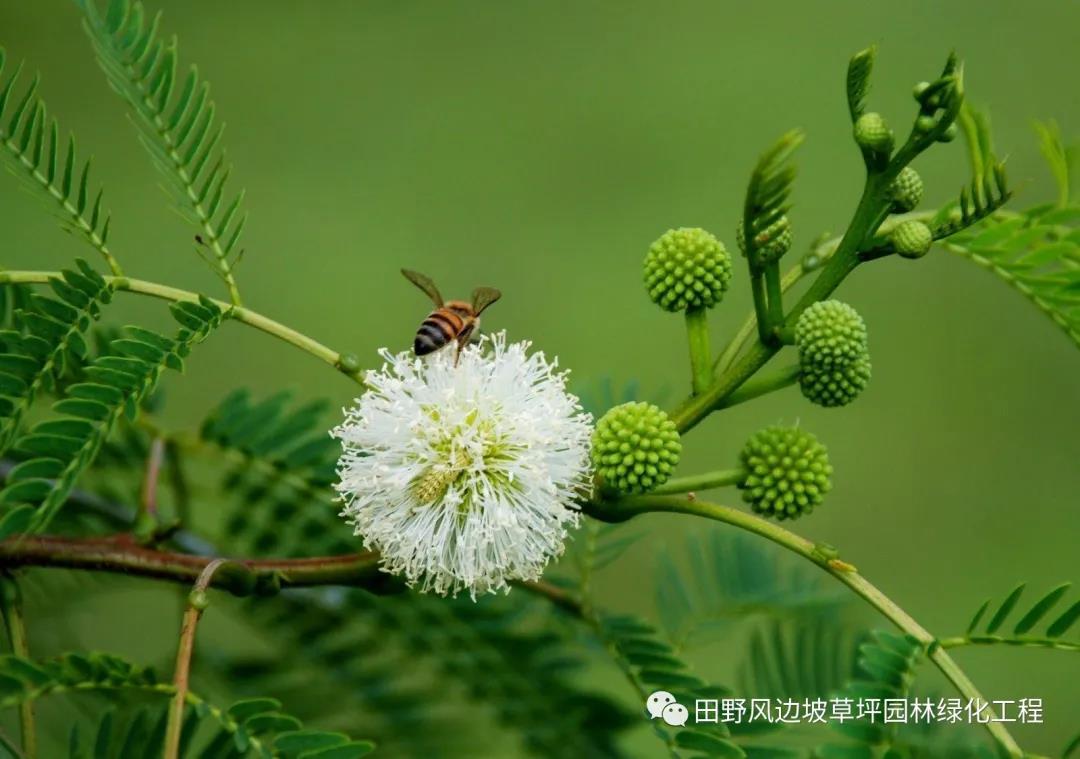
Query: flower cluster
x=466 y=476
x=834 y=353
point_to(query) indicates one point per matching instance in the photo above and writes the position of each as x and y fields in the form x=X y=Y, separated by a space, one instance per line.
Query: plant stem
x=12 y=607
x=991 y=640
x=195 y=607
x=618 y=511
x=697 y=333
x=759 y=386
x=240 y=314
x=761 y=303
x=707 y=481
x=146 y=516
x=242 y=577
x=773 y=291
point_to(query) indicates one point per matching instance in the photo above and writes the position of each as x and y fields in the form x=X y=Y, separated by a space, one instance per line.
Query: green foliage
x=177 y=123
x=246 y=727
x=1036 y=252
x=767 y=196
x=730 y=577
x=51 y=339
x=60 y=449
x=1060 y=157
x=886 y=669
x=281 y=466
x=993 y=628
x=652 y=664
x=503 y=654
x=809 y=657
x=860 y=67
x=32 y=145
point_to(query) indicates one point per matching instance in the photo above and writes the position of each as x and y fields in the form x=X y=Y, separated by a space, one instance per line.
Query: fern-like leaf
x=768 y=191
x=32 y=146
x=281 y=466
x=886 y=667
x=860 y=67
x=59 y=450
x=254 y=726
x=1025 y=631
x=177 y=119
x=651 y=664
x=1038 y=253
x=51 y=339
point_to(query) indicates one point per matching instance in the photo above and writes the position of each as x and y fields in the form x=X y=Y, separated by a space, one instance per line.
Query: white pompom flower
x=465 y=477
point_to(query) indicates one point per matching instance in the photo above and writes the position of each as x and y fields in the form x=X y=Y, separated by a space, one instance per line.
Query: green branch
x=717 y=479
x=991 y=640
x=697 y=333
x=617 y=511
x=347 y=364
x=12 y=607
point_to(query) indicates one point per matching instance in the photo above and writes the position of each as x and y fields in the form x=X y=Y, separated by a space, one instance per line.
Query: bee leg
x=462 y=341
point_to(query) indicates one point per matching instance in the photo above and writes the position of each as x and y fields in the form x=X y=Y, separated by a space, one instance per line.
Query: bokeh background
x=540 y=147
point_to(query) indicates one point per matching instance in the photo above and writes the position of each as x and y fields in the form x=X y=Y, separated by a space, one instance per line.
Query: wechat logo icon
x=663 y=705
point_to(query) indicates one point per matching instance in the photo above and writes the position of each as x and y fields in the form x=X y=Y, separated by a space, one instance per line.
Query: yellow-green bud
x=837 y=386
x=873 y=134
x=949 y=134
x=912 y=239
x=787 y=472
x=635 y=448
x=770 y=244
x=906 y=190
x=687 y=268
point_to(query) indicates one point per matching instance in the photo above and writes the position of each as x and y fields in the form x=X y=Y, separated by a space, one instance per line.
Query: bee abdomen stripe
x=436 y=329
x=453 y=320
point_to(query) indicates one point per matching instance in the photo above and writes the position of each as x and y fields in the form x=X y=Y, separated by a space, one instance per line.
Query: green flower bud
x=873 y=134
x=925 y=123
x=920 y=90
x=830 y=333
x=949 y=134
x=787 y=472
x=837 y=386
x=349 y=362
x=772 y=243
x=687 y=268
x=912 y=239
x=906 y=190
x=635 y=448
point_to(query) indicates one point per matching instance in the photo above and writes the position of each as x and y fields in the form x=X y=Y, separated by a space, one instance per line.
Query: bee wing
x=425 y=284
x=482 y=297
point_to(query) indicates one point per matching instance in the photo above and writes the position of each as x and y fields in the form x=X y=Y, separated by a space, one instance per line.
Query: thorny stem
x=621 y=510
x=12 y=607
x=697 y=333
x=195 y=607
x=343 y=364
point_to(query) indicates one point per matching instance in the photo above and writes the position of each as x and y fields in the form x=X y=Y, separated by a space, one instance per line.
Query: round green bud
x=771 y=243
x=687 y=268
x=949 y=134
x=873 y=134
x=911 y=239
x=920 y=90
x=198 y=600
x=906 y=190
x=830 y=333
x=837 y=386
x=925 y=123
x=787 y=472
x=349 y=362
x=635 y=448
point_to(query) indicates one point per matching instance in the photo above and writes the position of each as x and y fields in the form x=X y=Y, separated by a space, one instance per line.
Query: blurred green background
x=540 y=147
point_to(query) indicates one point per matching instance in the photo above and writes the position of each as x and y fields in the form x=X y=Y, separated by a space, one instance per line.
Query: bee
x=452 y=320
